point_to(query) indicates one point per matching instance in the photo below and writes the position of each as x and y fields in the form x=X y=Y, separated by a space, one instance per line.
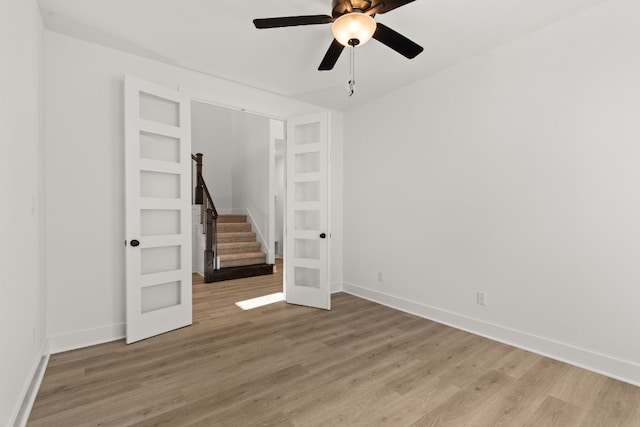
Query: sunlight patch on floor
x=260 y=301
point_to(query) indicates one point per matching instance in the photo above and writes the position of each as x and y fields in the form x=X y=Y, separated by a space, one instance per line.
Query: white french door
x=307 y=248
x=158 y=209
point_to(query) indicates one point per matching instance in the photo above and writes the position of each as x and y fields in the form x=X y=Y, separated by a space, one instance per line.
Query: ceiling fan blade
x=331 y=57
x=397 y=41
x=292 y=21
x=384 y=6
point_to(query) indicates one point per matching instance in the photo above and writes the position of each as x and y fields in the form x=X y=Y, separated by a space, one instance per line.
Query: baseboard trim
x=336 y=287
x=622 y=370
x=22 y=413
x=86 y=338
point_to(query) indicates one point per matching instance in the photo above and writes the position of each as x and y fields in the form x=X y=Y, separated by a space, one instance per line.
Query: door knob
x=135 y=243
x=322 y=235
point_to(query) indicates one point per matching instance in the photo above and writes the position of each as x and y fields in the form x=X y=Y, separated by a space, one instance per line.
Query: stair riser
x=226 y=219
x=244 y=271
x=236 y=249
x=231 y=238
x=232 y=227
x=244 y=261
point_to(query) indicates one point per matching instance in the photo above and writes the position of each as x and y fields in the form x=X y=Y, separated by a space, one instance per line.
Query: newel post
x=209 y=256
x=198 y=191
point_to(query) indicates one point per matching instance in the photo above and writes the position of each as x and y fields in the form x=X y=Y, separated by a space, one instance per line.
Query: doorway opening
x=243 y=165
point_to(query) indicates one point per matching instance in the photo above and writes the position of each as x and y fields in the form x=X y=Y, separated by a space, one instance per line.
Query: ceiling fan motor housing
x=340 y=7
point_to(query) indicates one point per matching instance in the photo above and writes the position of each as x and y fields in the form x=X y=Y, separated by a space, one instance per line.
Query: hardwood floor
x=360 y=364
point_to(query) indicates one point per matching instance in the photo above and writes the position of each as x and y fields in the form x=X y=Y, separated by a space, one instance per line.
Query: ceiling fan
x=352 y=25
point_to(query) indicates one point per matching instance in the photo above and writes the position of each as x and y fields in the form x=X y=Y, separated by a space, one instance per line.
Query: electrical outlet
x=379 y=276
x=481 y=298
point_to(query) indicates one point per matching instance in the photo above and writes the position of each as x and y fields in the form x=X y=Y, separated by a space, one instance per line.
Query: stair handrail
x=197 y=199
x=209 y=220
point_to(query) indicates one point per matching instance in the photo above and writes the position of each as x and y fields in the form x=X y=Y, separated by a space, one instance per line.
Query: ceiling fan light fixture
x=355 y=28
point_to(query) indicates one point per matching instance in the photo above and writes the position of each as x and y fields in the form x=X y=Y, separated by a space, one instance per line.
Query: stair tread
x=237 y=244
x=225 y=248
x=242 y=255
x=242 y=259
x=252 y=246
x=244 y=233
x=245 y=237
x=234 y=225
x=237 y=234
x=230 y=219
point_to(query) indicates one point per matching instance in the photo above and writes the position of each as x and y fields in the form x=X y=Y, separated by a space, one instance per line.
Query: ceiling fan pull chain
x=352 y=72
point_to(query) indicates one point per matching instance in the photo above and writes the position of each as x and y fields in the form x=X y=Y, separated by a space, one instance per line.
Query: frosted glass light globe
x=353 y=26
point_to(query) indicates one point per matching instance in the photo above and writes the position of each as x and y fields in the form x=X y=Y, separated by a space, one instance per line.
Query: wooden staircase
x=239 y=252
x=228 y=238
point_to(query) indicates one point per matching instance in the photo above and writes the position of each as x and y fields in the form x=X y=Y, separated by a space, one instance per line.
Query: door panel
x=307 y=249
x=158 y=209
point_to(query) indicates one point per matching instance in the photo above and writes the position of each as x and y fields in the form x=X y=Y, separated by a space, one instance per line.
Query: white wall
x=84 y=175
x=22 y=304
x=515 y=173
x=250 y=175
x=211 y=135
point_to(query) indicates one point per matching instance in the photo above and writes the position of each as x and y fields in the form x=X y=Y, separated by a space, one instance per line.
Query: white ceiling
x=218 y=38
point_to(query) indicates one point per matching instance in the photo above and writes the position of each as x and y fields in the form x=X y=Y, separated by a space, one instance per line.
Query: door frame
x=274 y=134
x=262 y=110
x=265 y=110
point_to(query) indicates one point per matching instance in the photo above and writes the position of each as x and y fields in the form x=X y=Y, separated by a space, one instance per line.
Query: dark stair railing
x=208 y=218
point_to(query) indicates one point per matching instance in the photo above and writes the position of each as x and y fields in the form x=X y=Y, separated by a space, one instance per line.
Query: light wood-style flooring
x=360 y=364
